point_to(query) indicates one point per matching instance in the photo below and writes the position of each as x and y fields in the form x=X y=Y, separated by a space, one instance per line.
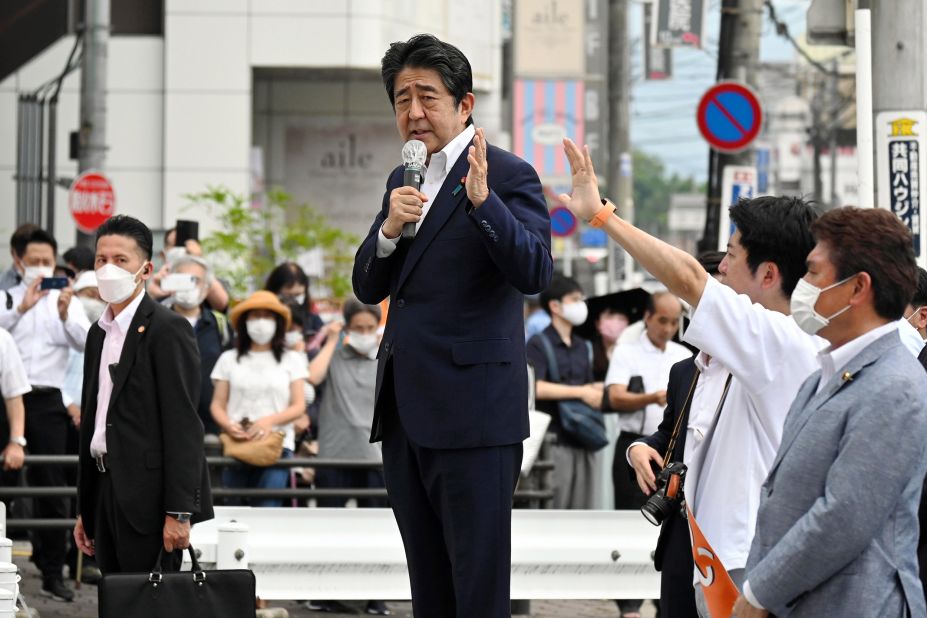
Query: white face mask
x=37 y=272
x=92 y=307
x=116 y=284
x=575 y=313
x=363 y=344
x=804 y=298
x=261 y=330
x=293 y=338
x=189 y=299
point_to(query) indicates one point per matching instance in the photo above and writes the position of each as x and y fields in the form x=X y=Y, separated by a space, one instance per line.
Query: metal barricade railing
x=536 y=494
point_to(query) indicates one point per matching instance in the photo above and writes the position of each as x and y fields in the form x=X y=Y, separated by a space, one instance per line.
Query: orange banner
x=720 y=591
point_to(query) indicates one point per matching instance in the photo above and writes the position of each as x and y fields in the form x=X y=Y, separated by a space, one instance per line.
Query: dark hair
x=285 y=275
x=710 y=260
x=130 y=227
x=296 y=315
x=778 y=230
x=38 y=236
x=243 y=341
x=352 y=307
x=651 y=307
x=559 y=287
x=874 y=241
x=20 y=238
x=920 y=294
x=426 y=51
x=81 y=257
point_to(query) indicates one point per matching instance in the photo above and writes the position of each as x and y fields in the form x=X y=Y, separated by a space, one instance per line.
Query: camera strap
x=679 y=421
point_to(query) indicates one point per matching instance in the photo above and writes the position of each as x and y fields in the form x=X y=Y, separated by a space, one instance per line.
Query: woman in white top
x=259 y=389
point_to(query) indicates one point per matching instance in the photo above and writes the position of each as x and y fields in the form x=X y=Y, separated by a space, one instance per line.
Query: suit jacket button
x=401 y=303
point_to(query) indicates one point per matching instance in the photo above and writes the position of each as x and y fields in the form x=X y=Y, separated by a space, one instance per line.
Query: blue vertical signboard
x=901 y=166
x=738 y=182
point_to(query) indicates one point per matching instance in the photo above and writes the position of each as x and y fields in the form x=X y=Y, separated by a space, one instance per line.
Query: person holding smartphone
x=46 y=323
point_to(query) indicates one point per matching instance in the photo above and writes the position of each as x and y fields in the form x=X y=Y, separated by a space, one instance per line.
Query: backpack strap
x=553 y=371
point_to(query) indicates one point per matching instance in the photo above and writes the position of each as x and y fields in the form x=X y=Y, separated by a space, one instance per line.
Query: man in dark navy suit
x=452 y=386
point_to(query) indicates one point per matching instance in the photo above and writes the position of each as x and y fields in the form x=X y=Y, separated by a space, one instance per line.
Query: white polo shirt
x=642 y=358
x=770 y=357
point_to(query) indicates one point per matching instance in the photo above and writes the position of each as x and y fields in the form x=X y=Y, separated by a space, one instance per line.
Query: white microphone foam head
x=414 y=152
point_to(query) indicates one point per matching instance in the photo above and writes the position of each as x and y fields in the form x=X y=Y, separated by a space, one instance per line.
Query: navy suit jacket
x=455 y=331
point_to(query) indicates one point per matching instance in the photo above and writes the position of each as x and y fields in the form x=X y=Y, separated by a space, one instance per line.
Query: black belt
x=102 y=463
x=45 y=390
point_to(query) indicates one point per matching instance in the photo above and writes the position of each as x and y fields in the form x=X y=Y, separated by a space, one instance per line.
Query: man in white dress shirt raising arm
x=744 y=327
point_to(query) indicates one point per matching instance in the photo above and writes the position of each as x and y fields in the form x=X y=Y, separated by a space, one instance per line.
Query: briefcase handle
x=199 y=575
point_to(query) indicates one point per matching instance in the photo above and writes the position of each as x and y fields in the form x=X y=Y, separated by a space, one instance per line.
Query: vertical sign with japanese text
x=658 y=61
x=900 y=167
x=679 y=23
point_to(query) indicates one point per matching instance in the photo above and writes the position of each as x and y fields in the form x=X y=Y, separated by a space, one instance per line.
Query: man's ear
x=770 y=274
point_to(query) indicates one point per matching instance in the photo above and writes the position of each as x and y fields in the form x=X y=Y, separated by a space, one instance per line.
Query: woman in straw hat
x=259 y=389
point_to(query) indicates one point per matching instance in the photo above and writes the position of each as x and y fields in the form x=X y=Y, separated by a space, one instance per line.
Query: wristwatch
x=181 y=517
x=20 y=440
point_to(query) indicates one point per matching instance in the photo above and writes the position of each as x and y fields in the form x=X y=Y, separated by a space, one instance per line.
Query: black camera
x=668 y=495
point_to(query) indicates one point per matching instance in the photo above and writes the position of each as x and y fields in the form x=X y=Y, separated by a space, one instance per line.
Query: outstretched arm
x=677 y=270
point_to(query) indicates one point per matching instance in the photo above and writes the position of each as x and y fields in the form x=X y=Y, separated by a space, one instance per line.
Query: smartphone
x=186 y=230
x=178 y=282
x=54 y=283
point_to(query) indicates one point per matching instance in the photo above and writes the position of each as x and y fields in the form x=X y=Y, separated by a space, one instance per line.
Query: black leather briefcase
x=204 y=594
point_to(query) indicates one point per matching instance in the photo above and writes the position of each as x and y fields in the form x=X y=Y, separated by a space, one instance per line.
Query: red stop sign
x=91 y=200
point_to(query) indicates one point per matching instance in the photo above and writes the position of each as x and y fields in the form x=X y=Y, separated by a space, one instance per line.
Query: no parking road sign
x=562 y=221
x=729 y=116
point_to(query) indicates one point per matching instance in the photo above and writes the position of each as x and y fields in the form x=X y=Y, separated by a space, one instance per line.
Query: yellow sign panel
x=903 y=127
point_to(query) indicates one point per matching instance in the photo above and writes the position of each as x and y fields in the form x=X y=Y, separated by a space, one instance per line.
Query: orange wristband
x=603 y=214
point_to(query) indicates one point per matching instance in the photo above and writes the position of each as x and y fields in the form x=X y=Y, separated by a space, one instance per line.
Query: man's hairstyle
x=710 y=261
x=81 y=257
x=130 y=227
x=651 y=307
x=40 y=237
x=874 y=241
x=193 y=259
x=920 y=294
x=559 y=287
x=352 y=307
x=20 y=238
x=425 y=51
x=777 y=230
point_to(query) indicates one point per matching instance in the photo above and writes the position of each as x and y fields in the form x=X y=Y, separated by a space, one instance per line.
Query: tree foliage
x=251 y=240
x=653 y=189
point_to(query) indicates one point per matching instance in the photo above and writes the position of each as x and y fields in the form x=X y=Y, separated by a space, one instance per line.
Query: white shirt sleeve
x=748 y=594
x=751 y=341
x=297 y=365
x=386 y=246
x=619 y=367
x=77 y=325
x=222 y=368
x=13 y=379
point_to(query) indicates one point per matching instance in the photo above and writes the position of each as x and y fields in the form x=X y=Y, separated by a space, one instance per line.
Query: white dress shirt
x=833 y=361
x=116 y=330
x=909 y=337
x=43 y=339
x=13 y=380
x=770 y=357
x=642 y=358
x=438 y=168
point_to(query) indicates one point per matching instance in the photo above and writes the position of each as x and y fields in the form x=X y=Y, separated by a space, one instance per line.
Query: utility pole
x=92 y=134
x=619 y=177
x=833 y=120
x=899 y=48
x=738 y=58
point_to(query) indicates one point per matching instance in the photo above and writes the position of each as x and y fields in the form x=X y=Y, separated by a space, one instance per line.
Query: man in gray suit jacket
x=837 y=527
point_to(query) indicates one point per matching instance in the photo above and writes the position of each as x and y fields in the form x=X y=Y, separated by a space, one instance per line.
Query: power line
x=782 y=29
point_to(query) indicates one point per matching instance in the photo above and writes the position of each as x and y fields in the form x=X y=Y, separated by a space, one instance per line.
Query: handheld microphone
x=413 y=159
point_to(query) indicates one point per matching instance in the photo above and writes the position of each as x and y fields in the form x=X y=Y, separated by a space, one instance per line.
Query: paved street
x=85 y=605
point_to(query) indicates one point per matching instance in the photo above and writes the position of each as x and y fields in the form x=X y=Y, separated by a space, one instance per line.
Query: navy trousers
x=454 y=510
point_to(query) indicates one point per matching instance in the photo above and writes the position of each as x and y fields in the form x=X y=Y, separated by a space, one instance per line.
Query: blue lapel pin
x=459 y=186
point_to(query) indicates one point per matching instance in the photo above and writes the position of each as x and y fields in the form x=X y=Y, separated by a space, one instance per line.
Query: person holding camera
x=562 y=362
x=744 y=326
x=46 y=322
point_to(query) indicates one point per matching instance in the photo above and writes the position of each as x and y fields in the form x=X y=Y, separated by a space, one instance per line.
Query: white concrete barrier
x=357 y=553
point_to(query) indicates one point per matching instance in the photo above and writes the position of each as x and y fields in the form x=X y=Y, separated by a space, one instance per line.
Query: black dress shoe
x=378 y=608
x=329 y=607
x=55 y=589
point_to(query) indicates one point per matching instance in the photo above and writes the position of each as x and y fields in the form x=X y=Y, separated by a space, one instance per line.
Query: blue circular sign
x=562 y=221
x=729 y=116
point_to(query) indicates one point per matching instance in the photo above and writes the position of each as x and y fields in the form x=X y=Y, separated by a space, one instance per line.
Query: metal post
x=50 y=176
x=619 y=174
x=20 y=161
x=92 y=151
x=864 y=137
x=834 y=128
